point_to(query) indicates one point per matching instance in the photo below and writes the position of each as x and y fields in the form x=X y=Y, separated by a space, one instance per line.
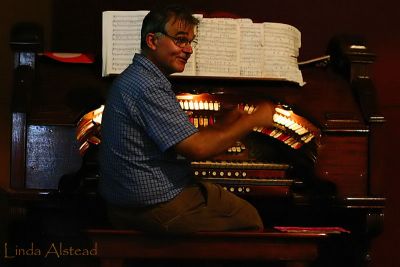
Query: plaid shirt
x=141 y=121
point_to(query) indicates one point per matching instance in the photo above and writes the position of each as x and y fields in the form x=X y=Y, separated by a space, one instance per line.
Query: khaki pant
x=200 y=207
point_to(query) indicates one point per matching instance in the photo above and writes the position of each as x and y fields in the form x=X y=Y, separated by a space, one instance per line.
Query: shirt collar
x=147 y=64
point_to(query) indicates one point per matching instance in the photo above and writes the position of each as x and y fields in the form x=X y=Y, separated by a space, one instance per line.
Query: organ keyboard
x=240 y=170
x=290 y=128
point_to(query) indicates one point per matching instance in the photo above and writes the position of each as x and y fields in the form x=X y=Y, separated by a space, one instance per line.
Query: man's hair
x=157 y=18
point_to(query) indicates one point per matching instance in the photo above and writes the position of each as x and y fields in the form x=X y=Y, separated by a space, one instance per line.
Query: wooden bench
x=295 y=249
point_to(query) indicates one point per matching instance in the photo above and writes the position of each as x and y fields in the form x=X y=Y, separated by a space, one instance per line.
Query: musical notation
x=217 y=49
x=226 y=47
x=121 y=39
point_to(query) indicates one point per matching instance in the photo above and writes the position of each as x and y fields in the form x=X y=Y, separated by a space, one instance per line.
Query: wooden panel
x=343 y=160
x=267 y=246
x=5 y=140
x=51 y=152
x=379 y=145
x=18 y=142
x=65 y=92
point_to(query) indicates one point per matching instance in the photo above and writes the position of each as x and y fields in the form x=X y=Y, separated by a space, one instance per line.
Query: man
x=147 y=141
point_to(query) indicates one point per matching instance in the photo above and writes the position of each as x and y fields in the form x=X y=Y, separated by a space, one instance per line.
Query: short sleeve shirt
x=141 y=121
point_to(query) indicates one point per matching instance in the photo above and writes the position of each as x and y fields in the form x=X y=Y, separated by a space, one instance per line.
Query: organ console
x=240 y=170
x=315 y=167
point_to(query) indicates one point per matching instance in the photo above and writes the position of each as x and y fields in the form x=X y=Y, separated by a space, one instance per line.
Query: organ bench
x=294 y=249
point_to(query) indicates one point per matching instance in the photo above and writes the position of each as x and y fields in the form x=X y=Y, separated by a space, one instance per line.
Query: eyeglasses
x=181 y=42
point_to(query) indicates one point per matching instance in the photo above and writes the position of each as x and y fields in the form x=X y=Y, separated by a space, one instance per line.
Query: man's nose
x=188 y=49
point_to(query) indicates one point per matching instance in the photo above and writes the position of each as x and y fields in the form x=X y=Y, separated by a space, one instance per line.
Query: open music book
x=121 y=39
x=226 y=47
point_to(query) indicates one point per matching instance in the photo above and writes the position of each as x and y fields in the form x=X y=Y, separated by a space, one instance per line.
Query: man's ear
x=151 y=41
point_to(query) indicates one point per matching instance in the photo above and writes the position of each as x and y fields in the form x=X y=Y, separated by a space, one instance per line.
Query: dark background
x=75 y=26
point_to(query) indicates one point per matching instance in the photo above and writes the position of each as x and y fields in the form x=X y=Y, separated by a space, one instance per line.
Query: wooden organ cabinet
x=327 y=179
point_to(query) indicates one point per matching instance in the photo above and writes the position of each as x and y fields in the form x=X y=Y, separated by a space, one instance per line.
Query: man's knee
x=251 y=216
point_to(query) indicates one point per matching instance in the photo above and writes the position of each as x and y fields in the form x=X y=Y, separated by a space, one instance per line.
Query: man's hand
x=215 y=139
x=262 y=114
x=229 y=118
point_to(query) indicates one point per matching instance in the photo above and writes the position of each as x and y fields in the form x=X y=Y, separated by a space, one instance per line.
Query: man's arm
x=216 y=139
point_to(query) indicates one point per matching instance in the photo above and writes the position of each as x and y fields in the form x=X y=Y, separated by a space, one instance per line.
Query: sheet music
x=121 y=39
x=284 y=29
x=281 y=49
x=251 y=44
x=217 y=53
x=226 y=47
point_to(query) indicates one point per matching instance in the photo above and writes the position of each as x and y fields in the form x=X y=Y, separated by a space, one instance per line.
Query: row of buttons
x=239 y=189
x=205 y=173
x=199 y=105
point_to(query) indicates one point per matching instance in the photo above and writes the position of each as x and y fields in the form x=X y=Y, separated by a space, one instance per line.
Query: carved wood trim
x=18 y=145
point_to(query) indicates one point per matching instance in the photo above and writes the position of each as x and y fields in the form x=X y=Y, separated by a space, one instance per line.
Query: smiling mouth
x=183 y=59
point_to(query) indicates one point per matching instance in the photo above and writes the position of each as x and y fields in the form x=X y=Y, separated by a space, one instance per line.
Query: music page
x=121 y=39
x=281 y=49
x=217 y=51
x=251 y=48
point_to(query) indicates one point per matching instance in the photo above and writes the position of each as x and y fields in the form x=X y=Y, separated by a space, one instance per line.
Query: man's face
x=169 y=57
